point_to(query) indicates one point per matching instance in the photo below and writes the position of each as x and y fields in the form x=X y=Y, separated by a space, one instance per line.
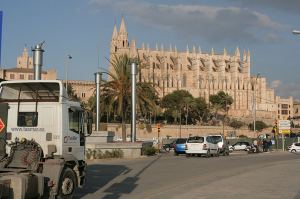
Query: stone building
x=285 y=108
x=24 y=69
x=201 y=73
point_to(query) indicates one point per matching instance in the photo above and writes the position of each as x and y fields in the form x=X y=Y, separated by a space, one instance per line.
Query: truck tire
x=67 y=184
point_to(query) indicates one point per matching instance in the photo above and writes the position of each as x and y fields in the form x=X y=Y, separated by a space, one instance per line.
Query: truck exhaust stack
x=38 y=60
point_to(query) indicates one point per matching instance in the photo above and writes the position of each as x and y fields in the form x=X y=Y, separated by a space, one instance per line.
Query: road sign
x=284 y=123
x=2 y=126
x=284 y=131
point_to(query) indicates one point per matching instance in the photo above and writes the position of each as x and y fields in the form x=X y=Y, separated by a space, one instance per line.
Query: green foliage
x=259 y=126
x=236 y=124
x=71 y=93
x=116 y=93
x=148 y=150
x=221 y=100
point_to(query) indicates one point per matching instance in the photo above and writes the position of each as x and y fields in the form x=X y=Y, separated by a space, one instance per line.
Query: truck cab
x=40 y=111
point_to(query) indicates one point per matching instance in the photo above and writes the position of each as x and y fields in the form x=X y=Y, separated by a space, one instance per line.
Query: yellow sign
x=284 y=131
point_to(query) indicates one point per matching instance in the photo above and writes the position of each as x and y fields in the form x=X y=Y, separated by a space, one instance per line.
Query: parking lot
x=239 y=175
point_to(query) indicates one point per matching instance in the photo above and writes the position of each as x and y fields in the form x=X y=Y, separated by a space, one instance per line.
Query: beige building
x=202 y=74
x=24 y=69
x=285 y=108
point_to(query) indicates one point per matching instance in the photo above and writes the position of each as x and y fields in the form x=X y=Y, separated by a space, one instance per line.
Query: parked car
x=239 y=146
x=223 y=146
x=295 y=147
x=201 y=145
x=179 y=146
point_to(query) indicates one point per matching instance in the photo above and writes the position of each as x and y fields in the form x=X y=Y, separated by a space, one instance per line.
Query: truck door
x=3 y=125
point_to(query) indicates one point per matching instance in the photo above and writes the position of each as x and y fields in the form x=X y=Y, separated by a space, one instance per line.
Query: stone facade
x=201 y=73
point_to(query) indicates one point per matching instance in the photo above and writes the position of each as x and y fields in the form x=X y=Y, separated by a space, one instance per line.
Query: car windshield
x=217 y=138
x=180 y=141
x=195 y=140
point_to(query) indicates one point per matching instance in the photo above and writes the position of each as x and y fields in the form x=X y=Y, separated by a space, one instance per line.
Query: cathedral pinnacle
x=212 y=51
x=122 y=26
x=237 y=52
x=199 y=50
x=194 y=49
x=115 y=32
x=225 y=52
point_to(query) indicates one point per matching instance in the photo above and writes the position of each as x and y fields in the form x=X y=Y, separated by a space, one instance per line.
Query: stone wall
x=149 y=132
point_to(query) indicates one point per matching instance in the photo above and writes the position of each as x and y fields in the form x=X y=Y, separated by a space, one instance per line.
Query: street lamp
x=254 y=102
x=69 y=57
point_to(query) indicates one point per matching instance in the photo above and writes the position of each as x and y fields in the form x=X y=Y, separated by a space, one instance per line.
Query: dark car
x=179 y=146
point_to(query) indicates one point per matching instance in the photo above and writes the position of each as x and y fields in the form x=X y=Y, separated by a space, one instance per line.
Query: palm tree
x=117 y=90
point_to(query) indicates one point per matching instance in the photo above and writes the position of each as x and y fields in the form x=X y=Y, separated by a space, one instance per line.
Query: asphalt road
x=268 y=175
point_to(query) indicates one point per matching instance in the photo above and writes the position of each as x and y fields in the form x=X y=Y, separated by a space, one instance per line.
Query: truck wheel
x=67 y=184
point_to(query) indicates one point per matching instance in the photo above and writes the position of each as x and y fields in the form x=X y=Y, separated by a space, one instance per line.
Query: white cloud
x=214 y=23
x=288 y=89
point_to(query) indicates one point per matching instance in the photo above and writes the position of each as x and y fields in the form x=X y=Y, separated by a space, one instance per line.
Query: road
x=268 y=175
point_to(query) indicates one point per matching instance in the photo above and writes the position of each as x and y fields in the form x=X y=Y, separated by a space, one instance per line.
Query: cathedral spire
x=187 y=48
x=175 y=49
x=170 y=47
x=212 y=51
x=237 y=52
x=245 y=55
x=143 y=46
x=225 y=52
x=122 y=26
x=115 y=32
x=194 y=49
x=199 y=50
x=248 y=56
x=156 y=46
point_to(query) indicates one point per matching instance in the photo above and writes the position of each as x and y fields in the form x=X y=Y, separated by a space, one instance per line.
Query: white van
x=201 y=145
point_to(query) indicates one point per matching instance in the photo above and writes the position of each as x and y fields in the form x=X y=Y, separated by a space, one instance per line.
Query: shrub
x=148 y=150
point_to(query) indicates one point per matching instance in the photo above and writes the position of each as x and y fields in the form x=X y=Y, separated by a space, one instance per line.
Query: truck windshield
x=30 y=91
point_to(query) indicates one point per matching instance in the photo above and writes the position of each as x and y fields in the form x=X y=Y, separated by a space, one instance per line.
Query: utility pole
x=254 y=103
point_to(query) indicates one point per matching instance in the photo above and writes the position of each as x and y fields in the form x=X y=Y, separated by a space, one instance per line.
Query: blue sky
x=83 y=28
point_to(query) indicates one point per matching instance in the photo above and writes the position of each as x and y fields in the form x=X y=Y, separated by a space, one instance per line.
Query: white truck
x=42 y=140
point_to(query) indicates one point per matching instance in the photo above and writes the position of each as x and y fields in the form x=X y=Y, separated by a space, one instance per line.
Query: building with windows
x=24 y=69
x=285 y=108
x=201 y=73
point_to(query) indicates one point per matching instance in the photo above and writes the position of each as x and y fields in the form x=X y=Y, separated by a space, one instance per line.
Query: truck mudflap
x=21 y=186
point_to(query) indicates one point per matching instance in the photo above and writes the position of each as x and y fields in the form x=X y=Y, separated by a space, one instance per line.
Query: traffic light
x=158 y=126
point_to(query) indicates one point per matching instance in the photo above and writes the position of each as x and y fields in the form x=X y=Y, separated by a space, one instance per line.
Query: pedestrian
x=255 y=145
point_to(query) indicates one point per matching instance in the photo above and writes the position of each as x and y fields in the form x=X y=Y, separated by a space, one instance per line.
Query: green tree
x=220 y=101
x=259 y=126
x=236 y=124
x=176 y=104
x=199 y=109
x=117 y=91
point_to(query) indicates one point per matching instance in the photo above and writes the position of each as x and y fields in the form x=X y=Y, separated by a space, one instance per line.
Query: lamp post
x=254 y=103
x=69 y=57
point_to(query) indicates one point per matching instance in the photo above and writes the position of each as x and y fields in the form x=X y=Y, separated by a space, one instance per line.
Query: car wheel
x=208 y=154
x=293 y=151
